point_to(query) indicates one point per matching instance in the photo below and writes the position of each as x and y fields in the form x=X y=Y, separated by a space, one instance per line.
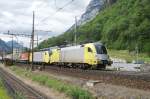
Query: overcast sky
x=16 y=15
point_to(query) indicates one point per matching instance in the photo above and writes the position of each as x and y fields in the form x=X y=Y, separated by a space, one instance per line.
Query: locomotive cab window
x=89 y=49
x=101 y=49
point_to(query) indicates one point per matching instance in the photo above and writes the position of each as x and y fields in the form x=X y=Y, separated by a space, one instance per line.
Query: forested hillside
x=124 y=25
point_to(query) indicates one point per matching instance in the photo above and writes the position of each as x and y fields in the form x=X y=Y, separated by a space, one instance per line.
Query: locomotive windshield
x=100 y=49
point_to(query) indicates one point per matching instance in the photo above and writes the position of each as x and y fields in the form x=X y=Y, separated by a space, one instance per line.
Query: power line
x=15 y=34
x=55 y=4
x=58 y=10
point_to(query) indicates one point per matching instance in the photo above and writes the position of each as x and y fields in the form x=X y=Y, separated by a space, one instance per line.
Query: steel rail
x=9 y=79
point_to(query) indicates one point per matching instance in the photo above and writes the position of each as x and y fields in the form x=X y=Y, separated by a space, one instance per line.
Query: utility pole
x=75 y=37
x=37 y=39
x=12 y=44
x=32 y=41
x=12 y=48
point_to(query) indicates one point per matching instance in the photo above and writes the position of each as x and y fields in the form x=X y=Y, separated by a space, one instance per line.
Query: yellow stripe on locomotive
x=55 y=56
x=89 y=54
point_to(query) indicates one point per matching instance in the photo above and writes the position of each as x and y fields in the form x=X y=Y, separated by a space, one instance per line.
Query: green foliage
x=19 y=95
x=128 y=56
x=123 y=25
x=3 y=92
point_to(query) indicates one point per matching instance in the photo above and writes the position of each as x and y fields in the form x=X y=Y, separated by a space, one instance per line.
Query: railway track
x=18 y=89
x=139 y=80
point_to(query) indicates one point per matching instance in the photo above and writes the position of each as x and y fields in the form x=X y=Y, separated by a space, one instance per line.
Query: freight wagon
x=24 y=57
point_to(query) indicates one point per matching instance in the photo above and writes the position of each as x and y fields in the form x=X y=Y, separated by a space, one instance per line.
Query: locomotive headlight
x=96 y=56
x=108 y=57
x=98 y=59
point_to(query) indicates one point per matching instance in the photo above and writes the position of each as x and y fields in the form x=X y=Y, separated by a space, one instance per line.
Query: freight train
x=85 y=56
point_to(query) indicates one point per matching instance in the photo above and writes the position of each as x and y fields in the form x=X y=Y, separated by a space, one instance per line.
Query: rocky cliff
x=91 y=11
x=94 y=7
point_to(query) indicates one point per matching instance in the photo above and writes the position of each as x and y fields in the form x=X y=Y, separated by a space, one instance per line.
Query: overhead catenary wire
x=55 y=4
x=58 y=10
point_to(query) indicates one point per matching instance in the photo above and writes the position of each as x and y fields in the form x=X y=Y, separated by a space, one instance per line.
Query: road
x=125 y=66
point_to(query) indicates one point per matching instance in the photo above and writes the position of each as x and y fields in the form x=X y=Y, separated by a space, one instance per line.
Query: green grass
x=19 y=95
x=3 y=92
x=72 y=91
x=129 y=57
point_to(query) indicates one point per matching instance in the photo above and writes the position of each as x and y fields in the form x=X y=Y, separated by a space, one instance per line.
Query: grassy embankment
x=3 y=92
x=74 y=92
x=124 y=54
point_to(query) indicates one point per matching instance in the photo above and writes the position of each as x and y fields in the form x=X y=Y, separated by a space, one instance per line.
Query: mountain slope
x=124 y=25
x=15 y=44
x=4 y=46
